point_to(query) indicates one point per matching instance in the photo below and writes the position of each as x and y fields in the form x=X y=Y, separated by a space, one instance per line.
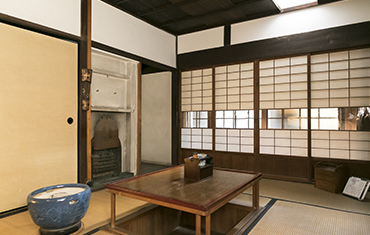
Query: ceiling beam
x=207 y=14
x=165 y=7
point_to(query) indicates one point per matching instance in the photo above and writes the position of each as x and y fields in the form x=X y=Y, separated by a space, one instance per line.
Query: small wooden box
x=330 y=177
x=199 y=168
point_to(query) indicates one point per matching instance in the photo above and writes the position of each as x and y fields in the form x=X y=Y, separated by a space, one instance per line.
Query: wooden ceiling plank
x=165 y=7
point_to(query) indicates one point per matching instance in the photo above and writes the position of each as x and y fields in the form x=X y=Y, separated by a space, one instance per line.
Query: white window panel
x=196 y=73
x=247 y=141
x=196 y=100
x=186 y=138
x=319 y=67
x=207 y=146
x=266 y=88
x=266 y=64
x=282 y=104
x=360 y=155
x=282 y=79
x=221 y=69
x=360 y=53
x=220 y=84
x=360 y=92
x=298 y=103
x=342 y=55
x=320 y=76
x=320 y=143
x=186 y=74
x=299 y=69
x=196 y=145
x=319 y=58
x=186 y=101
x=246 y=98
x=339 y=144
x=221 y=147
x=185 y=81
x=233 y=91
x=282 y=151
x=356 y=135
x=282 y=62
x=267 y=133
x=339 y=74
x=247 y=133
x=186 y=94
x=207 y=79
x=197 y=80
x=267 y=142
x=319 y=85
x=282 y=142
x=266 y=150
x=360 y=73
x=246 y=66
x=299 y=95
x=221 y=132
x=247 y=74
x=195 y=87
x=196 y=94
x=233 y=76
x=196 y=139
x=339 y=154
x=186 y=88
x=246 y=149
x=282 y=96
x=339 y=135
x=301 y=152
x=233 y=98
x=185 y=131
x=298 y=134
x=233 y=68
x=246 y=82
x=266 y=80
x=267 y=96
x=234 y=133
x=207 y=93
x=196 y=131
x=266 y=72
x=361 y=82
x=282 y=134
x=320 y=103
x=320 y=94
x=185 y=145
x=320 y=153
x=298 y=60
x=299 y=143
x=282 y=71
x=233 y=106
x=221 y=91
x=207 y=107
x=207 y=139
x=338 y=84
x=246 y=105
x=207 y=72
x=221 y=106
x=266 y=105
x=339 y=93
x=233 y=148
x=246 y=90
x=220 y=77
x=207 y=132
x=340 y=65
x=282 y=87
x=298 y=78
x=298 y=86
x=233 y=83
x=360 y=145
x=359 y=102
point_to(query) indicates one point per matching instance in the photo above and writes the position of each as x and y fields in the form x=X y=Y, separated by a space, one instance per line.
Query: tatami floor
x=291 y=208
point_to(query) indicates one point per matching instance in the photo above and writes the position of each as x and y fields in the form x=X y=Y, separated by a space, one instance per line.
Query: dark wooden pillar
x=84 y=129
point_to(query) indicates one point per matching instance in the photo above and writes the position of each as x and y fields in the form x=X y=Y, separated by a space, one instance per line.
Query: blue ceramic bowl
x=59 y=207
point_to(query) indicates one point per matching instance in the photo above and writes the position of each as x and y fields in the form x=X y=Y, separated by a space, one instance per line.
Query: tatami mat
x=308 y=194
x=285 y=218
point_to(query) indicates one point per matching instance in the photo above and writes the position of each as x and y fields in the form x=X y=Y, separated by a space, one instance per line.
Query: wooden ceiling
x=186 y=16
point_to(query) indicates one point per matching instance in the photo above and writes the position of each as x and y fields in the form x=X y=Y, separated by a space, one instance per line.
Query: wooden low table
x=169 y=189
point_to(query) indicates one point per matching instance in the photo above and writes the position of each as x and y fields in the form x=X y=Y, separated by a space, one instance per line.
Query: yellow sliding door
x=38 y=113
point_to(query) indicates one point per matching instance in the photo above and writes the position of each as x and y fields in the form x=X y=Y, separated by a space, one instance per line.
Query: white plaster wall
x=120 y=30
x=156 y=118
x=201 y=40
x=301 y=21
x=63 y=15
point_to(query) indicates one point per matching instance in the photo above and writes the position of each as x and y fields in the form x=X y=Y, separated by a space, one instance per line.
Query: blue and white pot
x=58 y=209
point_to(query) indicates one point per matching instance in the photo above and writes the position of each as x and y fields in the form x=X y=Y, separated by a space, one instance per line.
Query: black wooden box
x=198 y=168
x=330 y=177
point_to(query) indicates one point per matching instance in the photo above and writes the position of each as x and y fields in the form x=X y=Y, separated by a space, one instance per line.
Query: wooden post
x=113 y=210
x=208 y=225
x=256 y=195
x=198 y=225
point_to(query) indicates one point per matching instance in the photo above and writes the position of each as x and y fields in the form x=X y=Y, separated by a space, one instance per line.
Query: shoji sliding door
x=38 y=113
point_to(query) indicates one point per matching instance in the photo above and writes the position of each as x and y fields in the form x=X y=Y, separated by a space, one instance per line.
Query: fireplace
x=113 y=118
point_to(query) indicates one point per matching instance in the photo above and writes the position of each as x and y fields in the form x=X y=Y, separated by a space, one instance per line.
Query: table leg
x=198 y=224
x=256 y=195
x=208 y=225
x=113 y=210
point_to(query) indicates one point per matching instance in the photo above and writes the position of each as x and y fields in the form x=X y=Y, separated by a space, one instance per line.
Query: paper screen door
x=38 y=96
